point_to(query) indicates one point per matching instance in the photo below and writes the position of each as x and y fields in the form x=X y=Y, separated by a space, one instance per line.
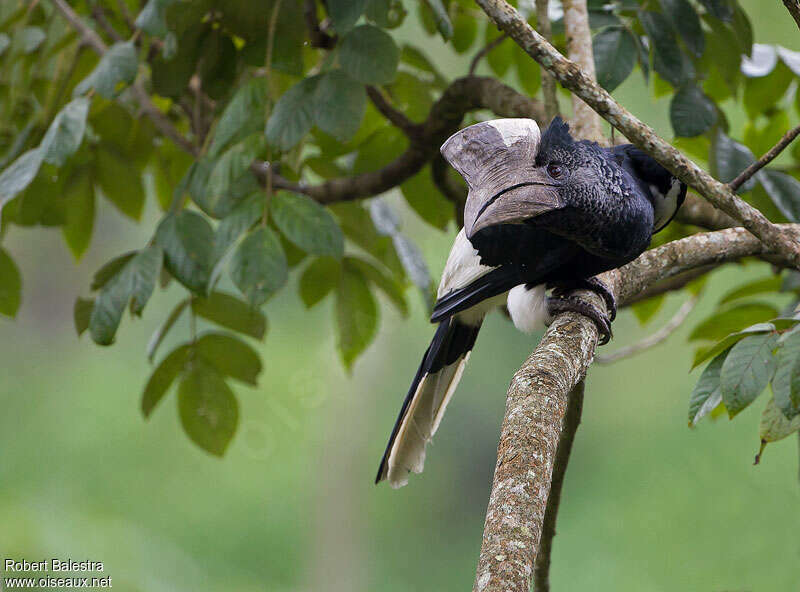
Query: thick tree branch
x=572 y=419
x=793 y=6
x=548 y=82
x=768 y=157
x=572 y=77
x=537 y=402
x=587 y=123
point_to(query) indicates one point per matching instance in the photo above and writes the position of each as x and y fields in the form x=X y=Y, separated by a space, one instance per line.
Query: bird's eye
x=556 y=171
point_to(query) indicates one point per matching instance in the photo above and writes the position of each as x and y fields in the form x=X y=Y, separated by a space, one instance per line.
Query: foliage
x=256 y=82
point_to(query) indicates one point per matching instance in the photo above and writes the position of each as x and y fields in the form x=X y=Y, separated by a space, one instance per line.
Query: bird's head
x=515 y=174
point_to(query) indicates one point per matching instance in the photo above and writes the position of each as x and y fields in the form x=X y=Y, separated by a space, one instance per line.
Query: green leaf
x=465 y=31
x=65 y=134
x=668 y=60
x=160 y=333
x=31 y=38
x=19 y=174
x=386 y=284
x=152 y=18
x=109 y=269
x=615 y=55
x=318 y=280
x=117 y=66
x=426 y=200
x=339 y=103
x=356 y=314
x=721 y=9
x=730 y=159
x=345 y=13
x=243 y=115
x=761 y=94
x=134 y=282
x=208 y=409
x=691 y=112
x=529 y=73
x=162 y=378
x=120 y=183
x=707 y=392
x=442 y=18
x=783 y=190
x=82 y=313
x=219 y=195
x=170 y=77
x=307 y=224
x=413 y=263
x=762 y=286
x=687 y=23
x=188 y=243
x=228 y=311
x=10 y=285
x=78 y=203
x=258 y=266
x=774 y=426
x=645 y=310
x=733 y=319
x=230 y=356
x=369 y=55
x=500 y=57
x=746 y=371
x=358 y=227
x=239 y=221
x=728 y=341
x=786 y=382
x=293 y=115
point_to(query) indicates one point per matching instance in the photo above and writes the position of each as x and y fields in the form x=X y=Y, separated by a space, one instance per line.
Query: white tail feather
x=421 y=421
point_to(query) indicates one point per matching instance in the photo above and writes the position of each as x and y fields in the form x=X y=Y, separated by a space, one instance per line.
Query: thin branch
x=548 y=82
x=126 y=15
x=651 y=340
x=764 y=160
x=99 y=15
x=572 y=77
x=572 y=419
x=587 y=123
x=537 y=402
x=88 y=34
x=463 y=95
x=160 y=120
x=395 y=117
x=793 y=6
x=473 y=65
x=319 y=38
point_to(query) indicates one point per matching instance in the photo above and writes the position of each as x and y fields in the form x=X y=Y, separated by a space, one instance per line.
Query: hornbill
x=543 y=211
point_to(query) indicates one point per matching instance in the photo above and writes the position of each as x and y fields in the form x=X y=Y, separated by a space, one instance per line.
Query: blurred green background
x=648 y=503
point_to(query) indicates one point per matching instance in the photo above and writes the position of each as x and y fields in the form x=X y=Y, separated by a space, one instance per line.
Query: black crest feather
x=556 y=136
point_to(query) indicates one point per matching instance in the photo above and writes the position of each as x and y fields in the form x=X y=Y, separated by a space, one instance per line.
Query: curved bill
x=498 y=161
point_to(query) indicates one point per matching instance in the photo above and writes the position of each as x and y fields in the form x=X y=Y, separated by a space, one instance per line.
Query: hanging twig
x=473 y=65
x=768 y=157
x=651 y=340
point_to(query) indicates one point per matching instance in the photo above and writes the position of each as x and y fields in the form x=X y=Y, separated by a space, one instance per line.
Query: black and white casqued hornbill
x=543 y=211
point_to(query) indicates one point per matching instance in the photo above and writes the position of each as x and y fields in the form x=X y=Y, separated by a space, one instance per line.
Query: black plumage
x=541 y=212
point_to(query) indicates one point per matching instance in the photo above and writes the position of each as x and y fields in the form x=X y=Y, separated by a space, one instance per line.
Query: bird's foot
x=595 y=285
x=558 y=304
